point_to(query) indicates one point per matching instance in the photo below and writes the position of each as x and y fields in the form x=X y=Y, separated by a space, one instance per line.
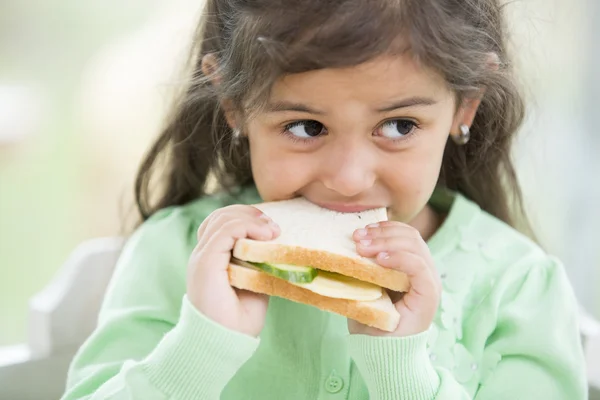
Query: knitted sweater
x=506 y=328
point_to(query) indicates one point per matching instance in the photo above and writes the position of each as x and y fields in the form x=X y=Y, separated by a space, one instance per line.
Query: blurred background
x=84 y=87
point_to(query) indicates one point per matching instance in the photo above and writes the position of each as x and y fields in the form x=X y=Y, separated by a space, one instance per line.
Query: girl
x=353 y=104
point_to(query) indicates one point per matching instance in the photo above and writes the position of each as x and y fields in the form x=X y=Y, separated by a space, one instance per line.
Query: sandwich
x=314 y=262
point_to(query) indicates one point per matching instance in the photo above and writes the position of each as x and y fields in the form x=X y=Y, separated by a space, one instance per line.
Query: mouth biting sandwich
x=314 y=261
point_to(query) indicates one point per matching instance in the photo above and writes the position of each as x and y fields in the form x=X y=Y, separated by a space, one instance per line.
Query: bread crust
x=359 y=268
x=380 y=313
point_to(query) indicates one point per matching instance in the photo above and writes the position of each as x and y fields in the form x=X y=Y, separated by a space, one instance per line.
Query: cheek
x=278 y=175
x=412 y=176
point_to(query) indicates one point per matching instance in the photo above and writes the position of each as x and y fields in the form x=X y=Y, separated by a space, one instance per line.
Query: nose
x=349 y=169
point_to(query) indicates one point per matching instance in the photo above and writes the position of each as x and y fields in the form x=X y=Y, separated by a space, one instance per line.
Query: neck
x=427 y=222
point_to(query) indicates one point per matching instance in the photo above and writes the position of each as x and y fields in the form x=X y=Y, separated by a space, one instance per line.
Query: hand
x=208 y=287
x=401 y=247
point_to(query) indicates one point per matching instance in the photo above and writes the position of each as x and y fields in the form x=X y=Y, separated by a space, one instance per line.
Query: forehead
x=381 y=79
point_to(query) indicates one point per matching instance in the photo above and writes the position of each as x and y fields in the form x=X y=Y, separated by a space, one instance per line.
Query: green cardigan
x=506 y=328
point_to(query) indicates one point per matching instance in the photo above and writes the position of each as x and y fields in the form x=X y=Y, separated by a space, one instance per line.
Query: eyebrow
x=283 y=106
x=410 y=102
x=286 y=106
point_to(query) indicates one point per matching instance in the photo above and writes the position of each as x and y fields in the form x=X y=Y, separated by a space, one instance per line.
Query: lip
x=347 y=208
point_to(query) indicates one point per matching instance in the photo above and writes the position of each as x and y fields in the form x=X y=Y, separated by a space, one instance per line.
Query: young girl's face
x=354 y=138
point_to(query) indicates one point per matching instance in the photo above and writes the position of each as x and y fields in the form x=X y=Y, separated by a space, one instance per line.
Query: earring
x=463 y=137
x=236 y=134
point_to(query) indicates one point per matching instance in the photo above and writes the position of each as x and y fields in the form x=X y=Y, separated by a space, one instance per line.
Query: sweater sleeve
x=536 y=337
x=149 y=343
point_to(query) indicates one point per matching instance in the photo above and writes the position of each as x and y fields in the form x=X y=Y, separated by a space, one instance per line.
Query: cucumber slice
x=290 y=273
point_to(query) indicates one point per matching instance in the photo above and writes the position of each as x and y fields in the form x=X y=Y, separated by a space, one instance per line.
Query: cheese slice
x=338 y=286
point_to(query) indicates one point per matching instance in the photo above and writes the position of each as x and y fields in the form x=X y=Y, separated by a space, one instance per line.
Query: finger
x=227 y=234
x=392 y=245
x=222 y=240
x=370 y=247
x=410 y=240
x=217 y=219
x=202 y=229
x=224 y=237
x=385 y=229
x=382 y=247
x=214 y=252
x=422 y=281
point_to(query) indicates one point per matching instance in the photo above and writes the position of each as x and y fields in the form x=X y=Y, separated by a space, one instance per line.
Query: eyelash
x=286 y=131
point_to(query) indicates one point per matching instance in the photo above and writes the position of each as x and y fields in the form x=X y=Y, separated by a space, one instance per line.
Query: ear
x=210 y=69
x=466 y=111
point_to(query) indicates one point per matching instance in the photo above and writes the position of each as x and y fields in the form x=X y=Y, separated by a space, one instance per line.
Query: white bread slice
x=379 y=314
x=320 y=238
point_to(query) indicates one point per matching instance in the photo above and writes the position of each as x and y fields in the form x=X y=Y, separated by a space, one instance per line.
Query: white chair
x=63 y=315
x=60 y=318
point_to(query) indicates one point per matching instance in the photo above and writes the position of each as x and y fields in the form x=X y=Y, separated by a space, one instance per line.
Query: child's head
x=345 y=101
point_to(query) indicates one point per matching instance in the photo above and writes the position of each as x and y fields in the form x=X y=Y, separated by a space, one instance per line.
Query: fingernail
x=366 y=242
x=273 y=224
x=361 y=232
x=265 y=217
x=383 y=255
x=373 y=226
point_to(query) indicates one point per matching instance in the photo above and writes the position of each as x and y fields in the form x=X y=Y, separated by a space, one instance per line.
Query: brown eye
x=397 y=128
x=306 y=129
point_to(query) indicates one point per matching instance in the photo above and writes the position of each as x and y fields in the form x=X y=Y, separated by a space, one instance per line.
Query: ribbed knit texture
x=401 y=366
x=195 y=343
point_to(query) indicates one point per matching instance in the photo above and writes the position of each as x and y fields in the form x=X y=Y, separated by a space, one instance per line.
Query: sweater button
x=334 y=383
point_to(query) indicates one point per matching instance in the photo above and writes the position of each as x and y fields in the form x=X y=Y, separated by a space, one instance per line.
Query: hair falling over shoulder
x=258 y=41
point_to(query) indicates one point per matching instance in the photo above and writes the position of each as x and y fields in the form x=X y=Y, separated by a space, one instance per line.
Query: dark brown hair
x=258 y=41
